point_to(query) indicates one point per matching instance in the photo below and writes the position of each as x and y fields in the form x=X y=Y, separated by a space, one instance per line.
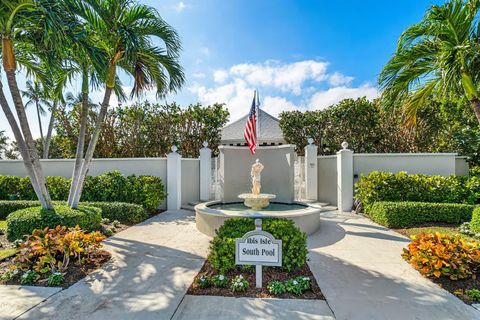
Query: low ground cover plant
x=239 y=284
x=384 y=186
x=294 y=242
x=147 y=191
x=220 y=281
x=24 y=221
x=438 y=255
x=408 y=214
x=276 y=287
x=47 y=255
x=473 y=294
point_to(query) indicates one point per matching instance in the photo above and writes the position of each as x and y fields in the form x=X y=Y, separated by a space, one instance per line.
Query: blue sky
x=299 y=54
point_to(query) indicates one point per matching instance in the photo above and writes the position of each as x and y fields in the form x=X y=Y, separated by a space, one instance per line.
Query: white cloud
x=275 y=105
x=220 y=75
x=199 y=75
x=288 y=77
x=338 y=79
x=179 y=7
x=325 y=98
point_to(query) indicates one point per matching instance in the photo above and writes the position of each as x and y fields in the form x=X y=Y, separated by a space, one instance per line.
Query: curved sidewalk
x=359 y=269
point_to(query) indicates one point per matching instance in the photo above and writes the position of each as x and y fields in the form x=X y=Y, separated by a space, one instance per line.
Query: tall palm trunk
x=21 y=146
x=91 y=147
x=476 y=108
x=48 y=139
x=10 y=67
x=81 y=138
x=39 y=118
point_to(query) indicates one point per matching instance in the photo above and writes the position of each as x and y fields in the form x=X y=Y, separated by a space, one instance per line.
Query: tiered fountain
x=211 y=215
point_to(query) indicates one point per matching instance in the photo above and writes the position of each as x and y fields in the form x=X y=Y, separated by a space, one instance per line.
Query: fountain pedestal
x=256 y=202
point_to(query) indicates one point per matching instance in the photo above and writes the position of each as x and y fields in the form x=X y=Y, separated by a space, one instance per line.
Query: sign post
x=258 y=248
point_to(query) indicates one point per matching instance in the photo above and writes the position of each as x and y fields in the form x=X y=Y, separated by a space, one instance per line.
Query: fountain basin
x=257 y=202
x=210 y=216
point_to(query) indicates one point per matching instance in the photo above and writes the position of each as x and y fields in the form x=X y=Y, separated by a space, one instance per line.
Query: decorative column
x=345 y=178
x=311 y=171
x=174 y=180
x=205 y=172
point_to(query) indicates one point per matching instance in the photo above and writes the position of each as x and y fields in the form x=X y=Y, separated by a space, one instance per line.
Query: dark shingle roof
x=269 y=130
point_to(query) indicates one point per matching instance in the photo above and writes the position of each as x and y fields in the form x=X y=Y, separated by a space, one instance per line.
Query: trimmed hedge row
x=147 y=191
x=24 y=221
x=384 y=186
x=407 y=214
x=294 y=242
x=475 y=222
x=123 y=212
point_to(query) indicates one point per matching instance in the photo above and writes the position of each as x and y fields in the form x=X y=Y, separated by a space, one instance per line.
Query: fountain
x=256 y=200
x=209 y=216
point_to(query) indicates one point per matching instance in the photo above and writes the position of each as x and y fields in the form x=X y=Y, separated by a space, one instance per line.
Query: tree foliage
x=144 y=130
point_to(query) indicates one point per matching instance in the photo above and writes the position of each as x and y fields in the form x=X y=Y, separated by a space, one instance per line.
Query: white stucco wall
x=461 y=166
x=442 y=164
x=327 y=179
x=277 y=176
x=190 y=180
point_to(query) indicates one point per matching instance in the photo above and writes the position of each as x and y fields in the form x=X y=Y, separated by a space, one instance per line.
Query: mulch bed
x=458 y=287
x=269 y=273
x=73 y=274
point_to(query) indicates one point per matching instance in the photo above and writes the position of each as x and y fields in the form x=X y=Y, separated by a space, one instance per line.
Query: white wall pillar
x=311 y=171
x=345 y=178
x=205 y=172
x=174 y=180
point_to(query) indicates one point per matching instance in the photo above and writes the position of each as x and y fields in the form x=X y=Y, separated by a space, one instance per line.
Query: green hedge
x=294 y=242
x=407 y=214
x=147 y=191
x=123 y=212
x=383 y=186
x=24 y=221
x=475 y=222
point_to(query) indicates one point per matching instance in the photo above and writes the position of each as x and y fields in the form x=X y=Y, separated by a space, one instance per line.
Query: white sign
x=258 y=248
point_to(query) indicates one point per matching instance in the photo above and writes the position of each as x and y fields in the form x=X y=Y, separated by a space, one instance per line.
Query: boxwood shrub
x=147 y=191
x=123 y=212
x=407 y=214
x=475 y=223
x=24 y=221
x=384 y=186
x=294 y=245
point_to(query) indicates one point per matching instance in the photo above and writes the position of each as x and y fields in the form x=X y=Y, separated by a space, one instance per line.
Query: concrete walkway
x=153 y=265
x=359 y=269
x=15 y=300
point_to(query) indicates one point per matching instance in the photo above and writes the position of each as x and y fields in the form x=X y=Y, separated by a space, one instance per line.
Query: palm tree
x=35 y=95
x=125 y=30
x=15 y=15
x=440 y=55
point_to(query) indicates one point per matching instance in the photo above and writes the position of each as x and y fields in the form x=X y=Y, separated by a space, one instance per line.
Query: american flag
x=250 y=133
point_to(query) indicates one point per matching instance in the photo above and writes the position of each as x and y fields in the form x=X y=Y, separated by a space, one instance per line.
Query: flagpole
x=257 y=105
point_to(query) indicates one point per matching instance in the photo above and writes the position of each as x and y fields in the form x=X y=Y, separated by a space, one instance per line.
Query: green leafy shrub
x=475 y=222
x=29 y=276
x=276 y=287
x=220 y=281
x=123 y=212
x=384 y=186
x=24 y=221
x=147 y=191
x=407 y=214
x=295 y=286
x=55 y=279
x=294 y=242
x=239 y=284
x=473 y=294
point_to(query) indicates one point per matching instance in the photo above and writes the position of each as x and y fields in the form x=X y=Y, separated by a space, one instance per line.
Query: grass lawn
x=3 y=224
x=448 y=230
x=7 y=252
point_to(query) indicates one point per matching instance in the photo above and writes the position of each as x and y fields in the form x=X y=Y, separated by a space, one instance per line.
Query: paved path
x=229 y=308
x=359 y=269
x=15 y=300
x=154 y=264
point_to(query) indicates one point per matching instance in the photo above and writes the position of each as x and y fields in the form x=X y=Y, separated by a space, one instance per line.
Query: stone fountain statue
x=256 y=200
